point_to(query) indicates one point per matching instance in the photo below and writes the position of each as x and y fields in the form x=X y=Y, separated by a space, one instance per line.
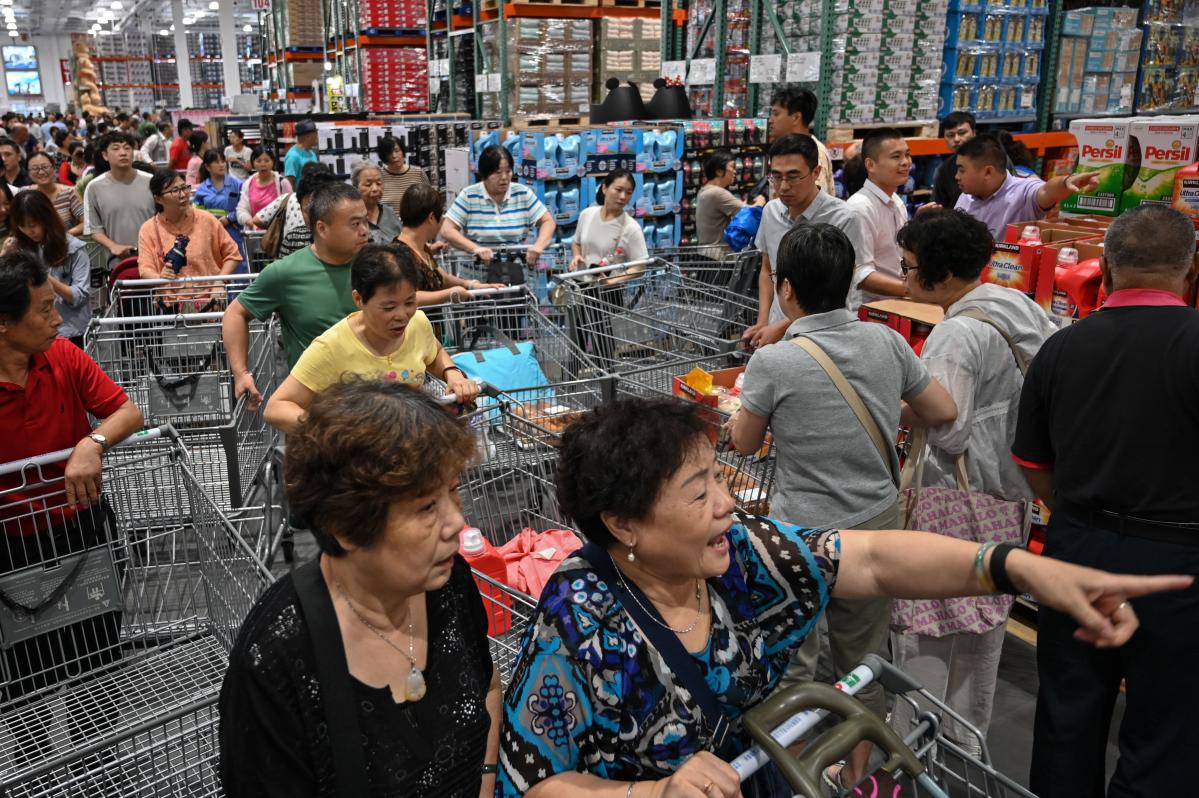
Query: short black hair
x=796 y=144
x=797 y=100
x=381 y=266
x=161 y=179
x=210 y=157
x=117 y=136
x=313 y=174
x=873 y=143
x=184 y=124
x=817 y=259
x=986 y=150
x=490 y=158
x=163 y=125
x=853 y=175
x=419 y=201
x=946 y=243
x=259 y=151
x=956 y=118
x=196 y=140
x=19 y=271
x=616 y=459
x=716 y=163
x=7 y=142
x=122 y=117
x=387 y=145
x=326 y=197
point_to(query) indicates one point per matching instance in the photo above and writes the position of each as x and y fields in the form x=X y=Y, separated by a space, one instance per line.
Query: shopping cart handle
x=508 y=289
x=153 y=433
x=803 y=772
x=187 y=318
x=608 y=269
x=157 y=281
x=891 y=678
x=450 y=398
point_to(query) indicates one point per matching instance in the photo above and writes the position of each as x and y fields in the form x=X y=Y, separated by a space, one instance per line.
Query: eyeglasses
x=782 y=180
x=906 y=267
x=178 y=191
x=35 y=170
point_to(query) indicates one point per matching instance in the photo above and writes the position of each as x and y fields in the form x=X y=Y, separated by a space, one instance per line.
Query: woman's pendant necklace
x=414 y=685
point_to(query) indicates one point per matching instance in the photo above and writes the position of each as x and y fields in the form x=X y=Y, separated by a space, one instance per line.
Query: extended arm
x=1059 y=188
x=287 y=405
x=235 y=330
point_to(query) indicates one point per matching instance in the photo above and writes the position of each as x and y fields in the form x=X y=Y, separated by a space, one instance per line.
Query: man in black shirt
x=1108 y=434
x=957 y=128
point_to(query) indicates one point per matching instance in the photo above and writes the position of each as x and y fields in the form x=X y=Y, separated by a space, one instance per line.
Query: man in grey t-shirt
x=829 y=472
x=118 y=202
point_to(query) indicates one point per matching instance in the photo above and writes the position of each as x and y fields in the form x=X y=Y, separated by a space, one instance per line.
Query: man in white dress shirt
x=882 y=212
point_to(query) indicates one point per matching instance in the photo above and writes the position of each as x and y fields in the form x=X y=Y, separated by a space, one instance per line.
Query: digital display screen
x=20 y=57
x=23 y=84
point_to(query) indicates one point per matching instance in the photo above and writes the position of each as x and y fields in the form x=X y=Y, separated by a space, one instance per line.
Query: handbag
x=961 y=513
x=678 y=661
x=273 y=236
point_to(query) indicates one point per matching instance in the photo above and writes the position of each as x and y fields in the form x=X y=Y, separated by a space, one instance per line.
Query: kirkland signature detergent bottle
x=482 y=557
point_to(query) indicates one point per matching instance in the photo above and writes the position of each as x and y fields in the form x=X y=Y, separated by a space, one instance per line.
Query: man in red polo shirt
x=48 y=386
x=180 y=154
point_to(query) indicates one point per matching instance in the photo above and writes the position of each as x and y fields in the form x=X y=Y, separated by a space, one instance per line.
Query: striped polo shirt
x=485 y=222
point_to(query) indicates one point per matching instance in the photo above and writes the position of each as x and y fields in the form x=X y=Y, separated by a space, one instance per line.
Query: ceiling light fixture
x=172 y=29
x=187 y=21
x=214 y=5
x=116 y=5
x=163 y=32
x=13 y=34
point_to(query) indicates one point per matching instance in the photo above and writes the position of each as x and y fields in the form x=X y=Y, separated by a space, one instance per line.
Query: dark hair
x=817 y=259
x=382 y=266
x=10 y=143
x=210 y=157
x=122 y=117
x=59 y=135
x=116 y=137
x=35 y=206
x=956 y=119
x=184 y=124
x=1017 y=151
x=797 y=100
x=313 y=174
x=716 y=162
x=616 y=458
x=161 y=179
x=326 y=198
x=19 y=271
x=342 y=475
x=388 y=145
x=946 y=243
x=609 y=179
x=1150 y=239
x=874 y=141
x=986 y=150
x=258 y=152
x=40 y=155
x=419 y=201
x=162 y=126
x=489 y=161
x=237 y=131
x=196 y=140
x=77 y=145
x=796 y=144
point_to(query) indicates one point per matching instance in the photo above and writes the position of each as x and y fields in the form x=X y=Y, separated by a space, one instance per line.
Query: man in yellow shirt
x=387 y=338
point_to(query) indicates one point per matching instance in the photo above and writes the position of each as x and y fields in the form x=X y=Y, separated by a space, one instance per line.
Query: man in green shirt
x=309 y=289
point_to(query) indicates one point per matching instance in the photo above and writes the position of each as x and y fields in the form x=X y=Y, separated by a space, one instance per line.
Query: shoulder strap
x=979 y=315
x=851 y=398
x=349 y=762
x=681 y=664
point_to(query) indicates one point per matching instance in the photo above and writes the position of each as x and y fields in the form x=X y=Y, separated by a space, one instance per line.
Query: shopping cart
x=647 y=313
x=923 y=761
x=256 y=257
x=175 y=369
x=509 y=265
x=181 y=295
x=110 y=686
x=717 y=266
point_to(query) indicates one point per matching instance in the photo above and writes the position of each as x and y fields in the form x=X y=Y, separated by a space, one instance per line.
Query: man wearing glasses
x=794 y=174
x=118 y=202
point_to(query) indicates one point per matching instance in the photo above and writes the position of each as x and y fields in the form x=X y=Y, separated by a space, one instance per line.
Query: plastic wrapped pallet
x=549 y=67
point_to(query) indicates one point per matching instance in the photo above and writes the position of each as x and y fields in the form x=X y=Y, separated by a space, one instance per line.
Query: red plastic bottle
x=483 y=559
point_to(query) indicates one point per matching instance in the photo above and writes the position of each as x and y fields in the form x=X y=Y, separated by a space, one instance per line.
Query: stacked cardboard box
x=1097 y=66
x=630 y=50
x=395 y=78
x=392 y=14
x=1170 y=62
x=993 y=54
x=302 y=24
x=549 y=67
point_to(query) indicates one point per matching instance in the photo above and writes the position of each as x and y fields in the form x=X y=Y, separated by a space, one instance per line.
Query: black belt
x=1178 y=532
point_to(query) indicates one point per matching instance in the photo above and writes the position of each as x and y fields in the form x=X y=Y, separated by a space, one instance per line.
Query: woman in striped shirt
x=398 y=174
x=64 y=198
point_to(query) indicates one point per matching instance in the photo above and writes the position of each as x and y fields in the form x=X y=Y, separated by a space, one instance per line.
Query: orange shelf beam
x=1039 y=143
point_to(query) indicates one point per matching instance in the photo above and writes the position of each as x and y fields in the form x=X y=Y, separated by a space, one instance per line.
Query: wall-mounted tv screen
x=20 y=57
x=22 y=84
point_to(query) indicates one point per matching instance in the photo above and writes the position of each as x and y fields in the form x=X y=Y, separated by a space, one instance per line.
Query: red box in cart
x=913 y=320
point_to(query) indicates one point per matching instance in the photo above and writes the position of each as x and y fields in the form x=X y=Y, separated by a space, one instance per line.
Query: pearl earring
x=630 y=556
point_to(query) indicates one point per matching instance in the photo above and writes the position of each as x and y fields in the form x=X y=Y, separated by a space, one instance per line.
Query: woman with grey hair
x=367 y=177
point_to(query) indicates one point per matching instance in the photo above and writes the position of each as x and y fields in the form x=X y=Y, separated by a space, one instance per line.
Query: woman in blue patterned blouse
x=593 y=707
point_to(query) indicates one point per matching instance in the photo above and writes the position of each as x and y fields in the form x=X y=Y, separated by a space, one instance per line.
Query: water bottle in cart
x=483 y=558
x=1030 y=235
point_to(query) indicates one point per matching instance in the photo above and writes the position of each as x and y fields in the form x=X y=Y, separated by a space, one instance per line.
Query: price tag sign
x=494 y=81
x=674 y=70
x=480 y=83
x=703 y=72
x=1026 y=99
x=803 y=67
x=765 y=68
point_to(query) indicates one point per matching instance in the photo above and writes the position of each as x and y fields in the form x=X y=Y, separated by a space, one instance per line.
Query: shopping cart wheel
x=803 y=771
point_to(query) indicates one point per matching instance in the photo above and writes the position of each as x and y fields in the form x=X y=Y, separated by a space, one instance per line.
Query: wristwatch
x=102 y=440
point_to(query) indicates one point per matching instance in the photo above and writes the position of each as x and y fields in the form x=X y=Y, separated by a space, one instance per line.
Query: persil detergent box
x=1102 y=147
x=1166 y=146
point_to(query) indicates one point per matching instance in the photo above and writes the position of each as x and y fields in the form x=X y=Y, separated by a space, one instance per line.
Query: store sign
x=261 y=5
x=803 y=67
x=765 y=68
x=703 y=72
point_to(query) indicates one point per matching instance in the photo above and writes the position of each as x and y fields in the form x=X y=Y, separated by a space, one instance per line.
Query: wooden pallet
x=549 y=121
x=917 y=129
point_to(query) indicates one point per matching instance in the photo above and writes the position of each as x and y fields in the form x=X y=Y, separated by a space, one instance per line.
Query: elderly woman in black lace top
x=367 y=672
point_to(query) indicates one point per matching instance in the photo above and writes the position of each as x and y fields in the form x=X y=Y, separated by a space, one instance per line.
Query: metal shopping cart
x=717 y=266
x=174 y=367
x=509 y=265
x=921 y=760
x=110 y=686
x=181 y=295
x=256 y=257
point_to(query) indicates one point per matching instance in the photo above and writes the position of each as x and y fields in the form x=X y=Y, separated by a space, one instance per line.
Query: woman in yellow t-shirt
x=387 y=338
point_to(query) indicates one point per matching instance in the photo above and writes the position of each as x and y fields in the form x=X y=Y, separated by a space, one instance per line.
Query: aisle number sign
x=262 y=5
